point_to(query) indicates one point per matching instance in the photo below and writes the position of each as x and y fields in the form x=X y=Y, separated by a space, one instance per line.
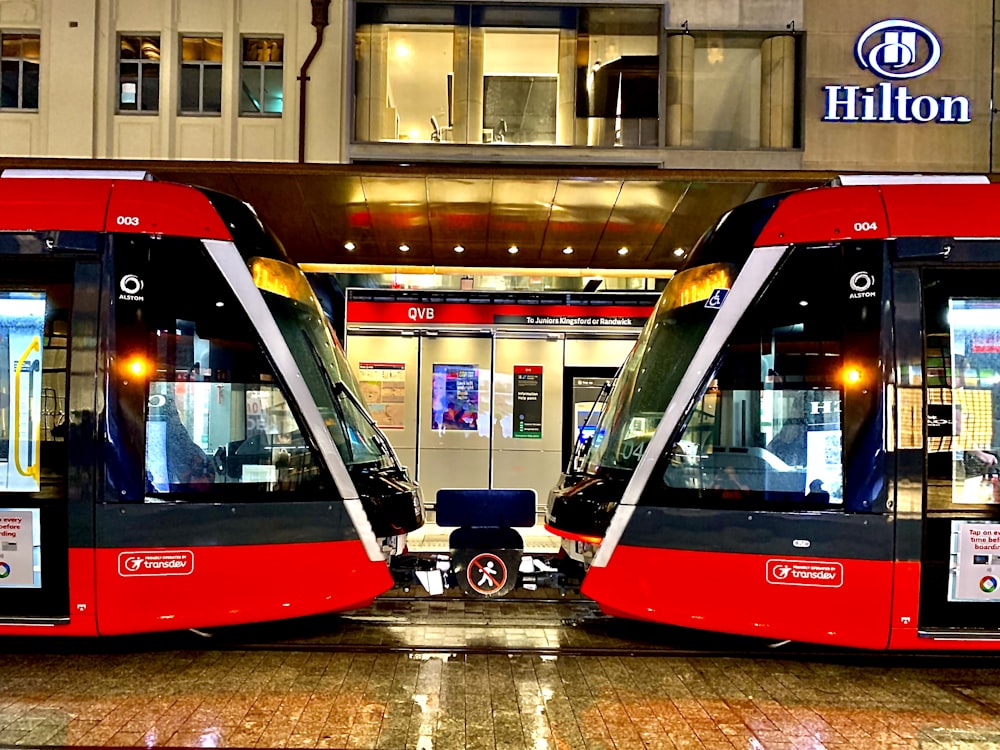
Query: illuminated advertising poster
x=455 y=397
x=19 y=548
x=975 y=568
x=383 y=386
x=22 y=321
x=528 y=401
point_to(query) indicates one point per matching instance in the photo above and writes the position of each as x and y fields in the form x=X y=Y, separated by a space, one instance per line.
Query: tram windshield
x=321 y=359
x=665 y=347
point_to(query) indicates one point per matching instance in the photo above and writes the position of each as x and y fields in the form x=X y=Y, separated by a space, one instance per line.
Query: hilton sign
x=896 y=50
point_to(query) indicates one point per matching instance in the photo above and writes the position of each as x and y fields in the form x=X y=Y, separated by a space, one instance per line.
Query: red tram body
x=803 y=444
x=182 y=442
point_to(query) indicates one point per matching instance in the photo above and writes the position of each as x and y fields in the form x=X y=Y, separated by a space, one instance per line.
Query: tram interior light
x=853 y=375
x=137 y=367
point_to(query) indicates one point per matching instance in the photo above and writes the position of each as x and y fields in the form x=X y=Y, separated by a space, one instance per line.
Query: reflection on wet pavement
x=181 y=690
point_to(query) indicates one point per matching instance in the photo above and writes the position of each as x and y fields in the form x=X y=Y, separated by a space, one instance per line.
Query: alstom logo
x=895 y=49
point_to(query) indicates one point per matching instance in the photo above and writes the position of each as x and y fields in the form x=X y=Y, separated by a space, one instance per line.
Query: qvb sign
x=895 y=50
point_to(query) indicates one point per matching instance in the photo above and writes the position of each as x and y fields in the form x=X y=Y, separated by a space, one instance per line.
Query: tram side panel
x=738 y=572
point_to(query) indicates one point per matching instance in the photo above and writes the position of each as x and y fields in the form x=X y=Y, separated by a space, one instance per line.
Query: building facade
x=727 y=85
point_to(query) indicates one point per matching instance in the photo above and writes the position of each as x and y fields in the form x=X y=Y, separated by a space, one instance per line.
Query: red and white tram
x=803 y=444
x=182 y=442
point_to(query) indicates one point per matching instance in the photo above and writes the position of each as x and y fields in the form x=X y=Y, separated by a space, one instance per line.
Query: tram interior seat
x=253 y=450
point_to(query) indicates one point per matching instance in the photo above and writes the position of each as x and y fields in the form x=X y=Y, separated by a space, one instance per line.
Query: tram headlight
x=281 y=278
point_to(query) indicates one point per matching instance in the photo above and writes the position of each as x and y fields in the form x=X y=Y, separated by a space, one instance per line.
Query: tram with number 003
x=182 y=441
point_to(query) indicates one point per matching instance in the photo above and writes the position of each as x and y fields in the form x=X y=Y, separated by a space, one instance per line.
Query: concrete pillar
x=680 y=90
x=467 y=97
x=566 y=96
x=777 y=92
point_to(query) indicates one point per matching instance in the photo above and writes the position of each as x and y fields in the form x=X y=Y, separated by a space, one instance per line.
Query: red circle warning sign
x=487 y=573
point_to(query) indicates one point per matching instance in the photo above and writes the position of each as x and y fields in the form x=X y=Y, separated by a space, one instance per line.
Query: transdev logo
x=897 y=49
x=988 y=584
x=805 y=573
x=160 y=563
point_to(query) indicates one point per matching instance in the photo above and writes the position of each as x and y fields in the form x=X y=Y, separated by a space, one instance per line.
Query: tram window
x=216 y=421
x=962 y=373
x=769 y=429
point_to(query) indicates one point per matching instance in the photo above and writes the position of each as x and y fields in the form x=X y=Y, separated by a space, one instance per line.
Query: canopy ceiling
x=314 y=209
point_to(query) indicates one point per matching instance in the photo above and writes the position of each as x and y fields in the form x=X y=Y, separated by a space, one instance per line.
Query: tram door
x=46 y=428
x=960 y=545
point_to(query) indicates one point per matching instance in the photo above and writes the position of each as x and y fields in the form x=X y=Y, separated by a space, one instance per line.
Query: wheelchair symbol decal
x=716 y=298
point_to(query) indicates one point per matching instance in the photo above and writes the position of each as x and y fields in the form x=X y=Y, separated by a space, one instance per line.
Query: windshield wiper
x=341 y=389
x=582 y=446
x=332 y=389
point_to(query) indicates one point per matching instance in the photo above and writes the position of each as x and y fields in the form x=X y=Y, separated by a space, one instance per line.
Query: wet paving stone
x=556 y=675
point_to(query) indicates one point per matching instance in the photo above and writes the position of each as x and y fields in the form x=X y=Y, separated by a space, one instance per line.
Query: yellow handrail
x=32 y=470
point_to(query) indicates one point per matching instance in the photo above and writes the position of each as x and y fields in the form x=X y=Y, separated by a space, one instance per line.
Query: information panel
x=455 y=397
x=528 y=401
x=975 y=564
x=383 y=385
x=19 y=548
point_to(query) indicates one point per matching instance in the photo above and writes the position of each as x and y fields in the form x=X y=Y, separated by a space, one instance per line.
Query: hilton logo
x=896 y=50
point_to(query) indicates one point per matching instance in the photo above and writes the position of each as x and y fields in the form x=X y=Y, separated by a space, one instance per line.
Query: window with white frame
x=262 y=76
x=138 y=73
x=19 y=62
x=201 y=75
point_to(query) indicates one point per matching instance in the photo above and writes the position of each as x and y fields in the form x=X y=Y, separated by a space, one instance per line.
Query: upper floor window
x=491 y=74
x=201 y=75
x=19 y=59
x=138 y=73
x=262 y=76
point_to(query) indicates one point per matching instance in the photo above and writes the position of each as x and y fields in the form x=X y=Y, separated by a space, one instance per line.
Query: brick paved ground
x=157 y=691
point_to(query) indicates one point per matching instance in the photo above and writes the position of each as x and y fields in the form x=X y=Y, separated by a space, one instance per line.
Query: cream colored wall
x=63 y=126
x=965 y=30
x=78 y=85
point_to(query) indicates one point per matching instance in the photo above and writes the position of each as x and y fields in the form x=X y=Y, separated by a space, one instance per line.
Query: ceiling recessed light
x=623 y=251
x=349 y=246
x=679 y=251
x=567 y=251
x=512 y=249
x=459 y=249
x=404 y=248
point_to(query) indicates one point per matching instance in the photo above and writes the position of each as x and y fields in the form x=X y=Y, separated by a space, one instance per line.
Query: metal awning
x=315 y=209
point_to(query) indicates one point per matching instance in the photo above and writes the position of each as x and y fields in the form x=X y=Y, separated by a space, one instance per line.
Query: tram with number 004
x=803 y=443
